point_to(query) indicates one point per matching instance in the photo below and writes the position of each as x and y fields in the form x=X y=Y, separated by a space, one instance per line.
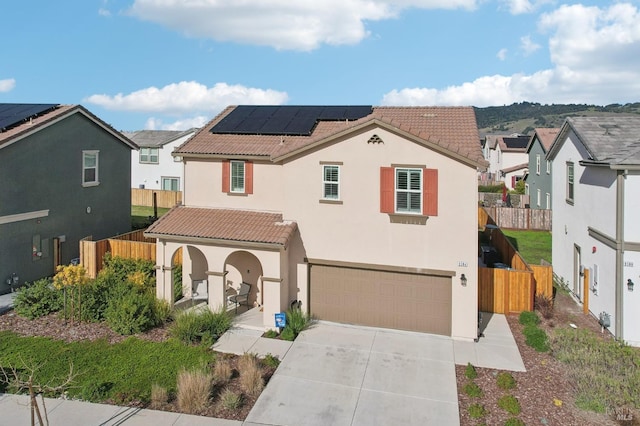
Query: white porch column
x=274 y=299
x=216 y=289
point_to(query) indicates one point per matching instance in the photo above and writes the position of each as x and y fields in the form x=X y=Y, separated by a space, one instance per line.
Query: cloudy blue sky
x=174 y=64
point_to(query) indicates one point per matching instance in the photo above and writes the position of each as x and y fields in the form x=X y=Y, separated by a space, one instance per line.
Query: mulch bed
x=544 y=391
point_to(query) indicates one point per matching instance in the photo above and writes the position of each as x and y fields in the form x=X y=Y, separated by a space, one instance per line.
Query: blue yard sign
x=281 y=320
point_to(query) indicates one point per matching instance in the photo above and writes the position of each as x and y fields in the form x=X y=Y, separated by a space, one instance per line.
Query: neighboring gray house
x=538 y=182
x=65 y=175
x=153 y=167
x=596 y=231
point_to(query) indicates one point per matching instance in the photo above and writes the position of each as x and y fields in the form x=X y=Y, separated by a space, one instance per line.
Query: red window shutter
x=386 y=190
x=248 y=177
x=430 y=192
x=226 y=176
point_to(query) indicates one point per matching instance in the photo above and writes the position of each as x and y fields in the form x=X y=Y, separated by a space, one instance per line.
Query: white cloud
x=282 y=24
x=517 y=7
x=502 y=54
x=104 y=12
x=187 y=97
x=187 y=123
x=528 y=46
x=7 y=84
x=596 y=59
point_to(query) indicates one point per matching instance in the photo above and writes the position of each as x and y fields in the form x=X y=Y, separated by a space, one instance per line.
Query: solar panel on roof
x=284 y=120
x=14 y=114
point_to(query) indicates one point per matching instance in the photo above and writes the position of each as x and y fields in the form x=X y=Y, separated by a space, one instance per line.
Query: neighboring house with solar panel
x=596 y=231
x=538 y=180
x=65 y=175
x=153 y=166
x=362 y=215
x=507 y=157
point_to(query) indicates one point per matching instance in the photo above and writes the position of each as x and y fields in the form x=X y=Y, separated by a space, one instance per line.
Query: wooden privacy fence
x=144 y=197
x=509 y=290
x=518 y=218
x=133 y=245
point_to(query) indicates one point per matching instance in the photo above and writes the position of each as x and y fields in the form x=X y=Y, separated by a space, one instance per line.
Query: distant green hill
x=523 y=117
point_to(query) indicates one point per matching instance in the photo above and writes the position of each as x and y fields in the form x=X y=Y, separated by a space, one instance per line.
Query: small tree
x=520 y=187
x=71 y=278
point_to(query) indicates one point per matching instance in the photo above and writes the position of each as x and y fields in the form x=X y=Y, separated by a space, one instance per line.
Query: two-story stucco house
x=596 y=199
x=365 y=215
x=65 y=176
x=507 y=157
x=153 y=166
x=538 y=181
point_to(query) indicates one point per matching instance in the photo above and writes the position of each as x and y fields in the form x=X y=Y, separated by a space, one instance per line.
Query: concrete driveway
x=344 y=375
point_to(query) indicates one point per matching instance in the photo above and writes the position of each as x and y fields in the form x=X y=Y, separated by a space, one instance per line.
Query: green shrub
x=476 y=411
x=506 y=381
x=230 y=400
x=472 y=389
x=288 y=334
x=297 y=321
x=92 y=298
x=510 y=404
x=470 y=371
x=129 y=310
x=120 y=269
x=514 y=421
x=536 y=338
x=38 y=299
x=162 y=311
x=529 y=318
x=200 y=327
x=177 y=283
x=490 y=188
x=271 y=361
x=271 y=334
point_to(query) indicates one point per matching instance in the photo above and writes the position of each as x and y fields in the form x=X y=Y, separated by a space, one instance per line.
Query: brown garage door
x=381 y=299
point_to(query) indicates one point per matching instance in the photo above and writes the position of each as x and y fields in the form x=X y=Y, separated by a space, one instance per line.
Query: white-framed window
x=331 y=182
x=171 y=183
x=538 y=197
x=570 y=186
x=90 y=162
x=548 y=167
x=408 y=190
x=149 y=155
x=537 y=164
x=237 y=176
x=548 y=201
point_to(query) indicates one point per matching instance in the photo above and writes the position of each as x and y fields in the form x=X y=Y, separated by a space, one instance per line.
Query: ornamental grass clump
x=251 y=380
x=193 y=390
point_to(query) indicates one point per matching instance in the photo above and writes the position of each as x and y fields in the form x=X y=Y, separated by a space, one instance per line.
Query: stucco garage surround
x=381 y=298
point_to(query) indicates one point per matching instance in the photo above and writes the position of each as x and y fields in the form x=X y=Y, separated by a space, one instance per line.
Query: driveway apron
x=343 y=375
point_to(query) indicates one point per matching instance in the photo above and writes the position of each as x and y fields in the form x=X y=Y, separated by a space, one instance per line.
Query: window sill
x=237 y=194
x=570 y=202
x=328 y=201
x=409 y=219
x=89 y=184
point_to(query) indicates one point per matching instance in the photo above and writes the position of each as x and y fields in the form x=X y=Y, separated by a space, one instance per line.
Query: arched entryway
x=242 y=266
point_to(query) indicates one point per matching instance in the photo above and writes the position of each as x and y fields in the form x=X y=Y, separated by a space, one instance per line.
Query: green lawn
x=532 y=245
x=140 y=216
x=122 y=371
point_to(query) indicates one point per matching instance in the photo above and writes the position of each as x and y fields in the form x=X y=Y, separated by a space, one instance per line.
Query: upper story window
x=548 y=167
x=570 y=186
x=237 y=177
x=90 y=168
x=409 y=190
x=149 y=155
x=537 y=164
x=331 y=182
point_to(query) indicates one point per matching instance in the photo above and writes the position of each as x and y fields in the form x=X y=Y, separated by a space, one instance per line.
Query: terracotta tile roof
x=58 y=113
x=516 y=168
x=224 y=224
x=452 y=128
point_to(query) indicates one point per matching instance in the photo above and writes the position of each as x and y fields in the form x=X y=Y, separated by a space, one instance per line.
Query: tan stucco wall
x=356 y=231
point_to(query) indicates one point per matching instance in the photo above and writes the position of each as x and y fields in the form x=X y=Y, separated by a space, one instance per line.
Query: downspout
x=620 y=179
